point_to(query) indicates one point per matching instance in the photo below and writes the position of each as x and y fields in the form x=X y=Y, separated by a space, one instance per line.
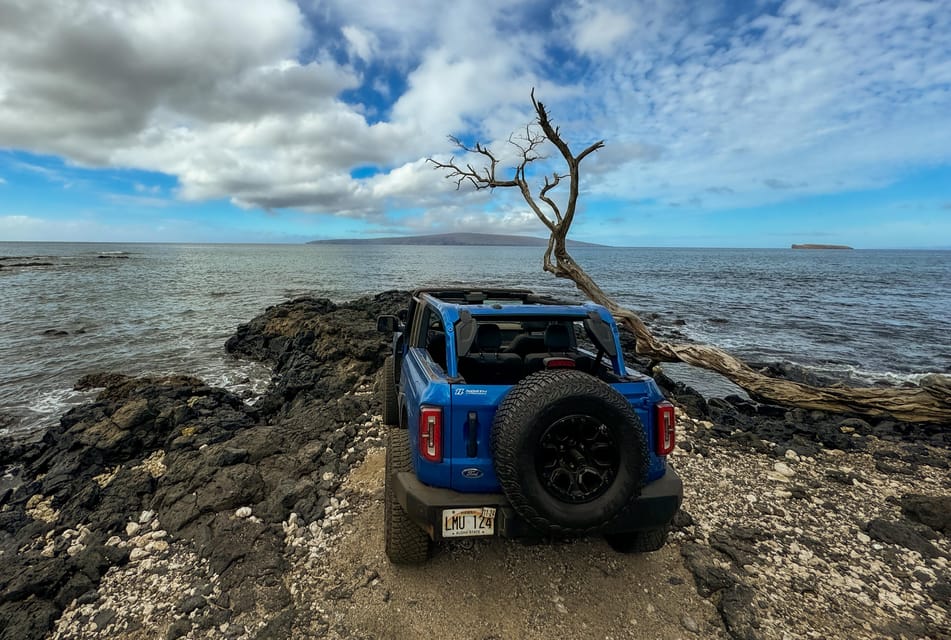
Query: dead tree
x=930 y=401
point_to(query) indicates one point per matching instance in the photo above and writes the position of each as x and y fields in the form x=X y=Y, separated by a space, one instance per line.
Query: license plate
x=474 y=521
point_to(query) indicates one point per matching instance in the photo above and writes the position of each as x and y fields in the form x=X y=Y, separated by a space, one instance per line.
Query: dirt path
x=494 y=589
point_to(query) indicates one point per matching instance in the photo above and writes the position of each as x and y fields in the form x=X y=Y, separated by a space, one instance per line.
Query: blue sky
x=740 y=124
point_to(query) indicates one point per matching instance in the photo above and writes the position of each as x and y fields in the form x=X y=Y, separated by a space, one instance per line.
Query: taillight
x=666 y=429
x=430 y=433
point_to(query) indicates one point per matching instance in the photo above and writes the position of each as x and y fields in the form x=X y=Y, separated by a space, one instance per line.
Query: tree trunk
x=930 y=402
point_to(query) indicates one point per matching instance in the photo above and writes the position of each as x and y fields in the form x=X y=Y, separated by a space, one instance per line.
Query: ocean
x=67 y=309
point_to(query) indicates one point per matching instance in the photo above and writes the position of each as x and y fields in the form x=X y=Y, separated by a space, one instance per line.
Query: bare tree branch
x=543 y=194
x=929 y=402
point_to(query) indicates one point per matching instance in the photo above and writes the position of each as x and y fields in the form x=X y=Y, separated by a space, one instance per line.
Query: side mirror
x=387 y=324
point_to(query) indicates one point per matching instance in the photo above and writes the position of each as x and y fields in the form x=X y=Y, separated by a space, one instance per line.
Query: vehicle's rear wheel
x=570 y=453
x=405 y=542
x=391 y=408
x=638 y=541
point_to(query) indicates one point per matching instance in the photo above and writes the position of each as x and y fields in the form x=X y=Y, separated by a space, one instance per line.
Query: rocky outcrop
x=794 y=528
x=932 y=511
x=154 y=460
x=746 y=420
x=318 y=350
x=89 y=476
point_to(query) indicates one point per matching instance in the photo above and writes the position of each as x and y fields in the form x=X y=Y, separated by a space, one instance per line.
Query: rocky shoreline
x=168 y=508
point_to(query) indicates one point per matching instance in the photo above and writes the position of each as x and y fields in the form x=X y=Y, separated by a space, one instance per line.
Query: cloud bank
x=332 y=107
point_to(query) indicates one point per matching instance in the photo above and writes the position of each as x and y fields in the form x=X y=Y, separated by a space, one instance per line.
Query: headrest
x=556 y=338
x=488 y=337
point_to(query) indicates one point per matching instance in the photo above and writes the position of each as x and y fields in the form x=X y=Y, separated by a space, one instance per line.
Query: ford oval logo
x=472 y=473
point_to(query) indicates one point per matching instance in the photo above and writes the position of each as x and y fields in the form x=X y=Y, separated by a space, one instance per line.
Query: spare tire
x=570 y=453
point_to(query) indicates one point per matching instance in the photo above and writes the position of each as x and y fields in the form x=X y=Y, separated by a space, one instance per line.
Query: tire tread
x=405 y=542
x=391 y=409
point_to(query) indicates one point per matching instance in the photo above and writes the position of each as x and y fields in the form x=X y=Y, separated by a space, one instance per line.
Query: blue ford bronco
x=512 y=414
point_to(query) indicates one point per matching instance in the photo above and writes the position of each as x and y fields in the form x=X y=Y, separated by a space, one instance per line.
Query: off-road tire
x=638 y=541
x=391 y=408
x=558 y=402
x=405 y=542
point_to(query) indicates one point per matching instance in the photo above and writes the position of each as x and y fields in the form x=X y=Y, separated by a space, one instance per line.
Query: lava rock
x=738 y=614
x=902 y=535
x=28 y=619
x=702 y=563
x=933 y=511
x=178 y=629
x=191 y=603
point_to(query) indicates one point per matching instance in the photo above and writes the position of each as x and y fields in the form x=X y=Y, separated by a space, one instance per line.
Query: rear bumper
x=423 y=504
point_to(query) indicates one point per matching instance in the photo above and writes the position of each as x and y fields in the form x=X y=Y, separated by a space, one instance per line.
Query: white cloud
x=401 y=29
x=827 y=97
x=415 y=179
x=12 y=225
x=219 y=98
x=362 y=43
x=81 y=73
x=598 y=29
x=453 y=218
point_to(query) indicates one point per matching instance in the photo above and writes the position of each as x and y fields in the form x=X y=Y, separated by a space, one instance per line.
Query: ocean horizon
x=330 y=241
x=865 y=316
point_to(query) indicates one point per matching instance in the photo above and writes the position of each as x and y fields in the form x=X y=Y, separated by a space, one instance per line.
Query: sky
x=726 y=124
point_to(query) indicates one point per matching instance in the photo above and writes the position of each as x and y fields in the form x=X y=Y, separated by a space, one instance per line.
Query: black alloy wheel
x=577 y=459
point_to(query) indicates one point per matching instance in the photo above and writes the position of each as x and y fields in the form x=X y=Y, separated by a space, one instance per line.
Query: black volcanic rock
x=903 y=535
x=193 y=455
x=317 y=348
x=705 y=565
x=88 y=472
x=932 y=511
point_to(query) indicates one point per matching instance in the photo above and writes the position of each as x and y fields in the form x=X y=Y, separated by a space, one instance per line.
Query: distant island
x=458 y=240
x=821 y=246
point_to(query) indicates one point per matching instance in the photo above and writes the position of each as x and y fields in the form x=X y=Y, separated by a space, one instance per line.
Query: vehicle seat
x=559 y=354
x=486 y=363
x=525 y=343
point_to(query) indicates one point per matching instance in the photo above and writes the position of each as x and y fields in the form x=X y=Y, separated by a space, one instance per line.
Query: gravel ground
x=771 y=545
x=492 y=589
x=821 y=540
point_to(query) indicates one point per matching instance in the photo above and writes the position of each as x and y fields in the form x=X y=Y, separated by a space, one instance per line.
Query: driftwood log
x=929 y=402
